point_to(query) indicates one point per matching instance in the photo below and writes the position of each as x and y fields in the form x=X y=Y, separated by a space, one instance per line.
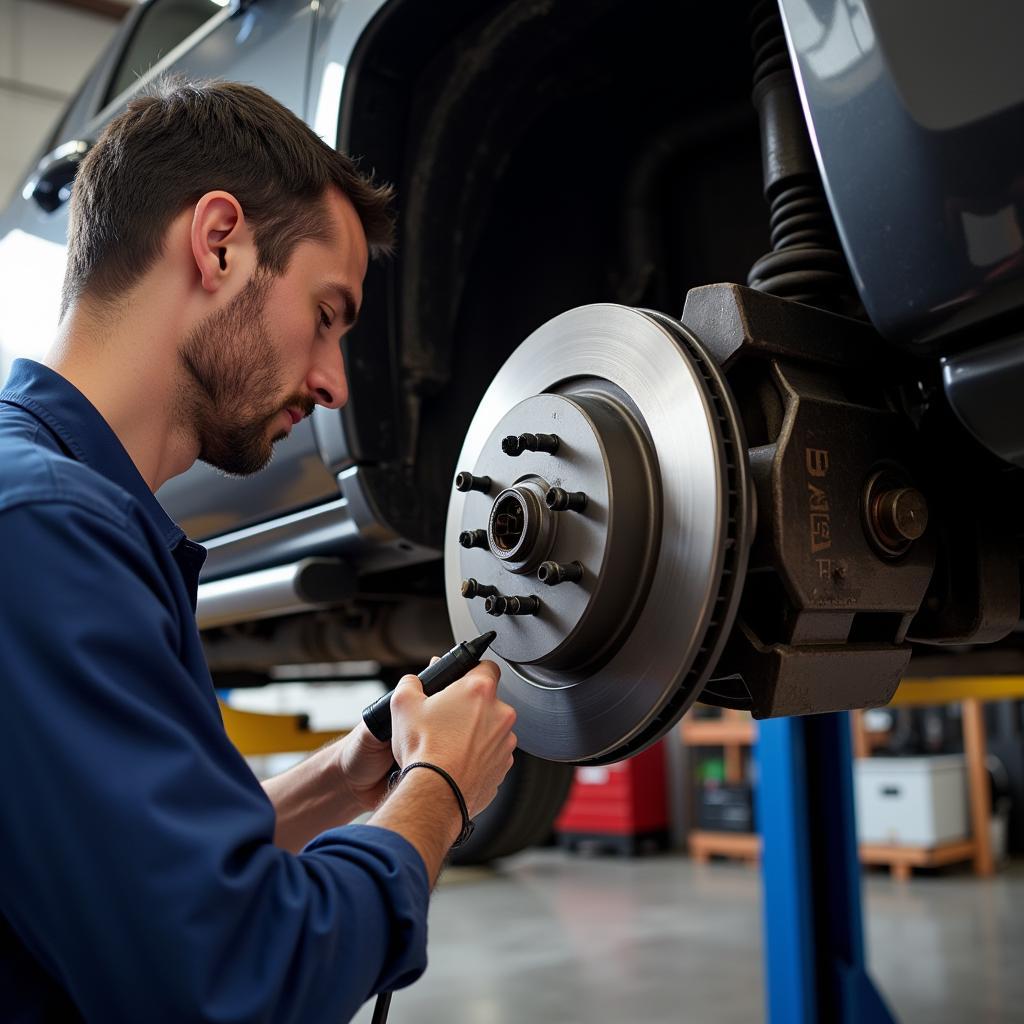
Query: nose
x=326 y=380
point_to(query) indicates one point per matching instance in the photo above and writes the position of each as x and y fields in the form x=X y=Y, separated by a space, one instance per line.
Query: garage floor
x=554 y=939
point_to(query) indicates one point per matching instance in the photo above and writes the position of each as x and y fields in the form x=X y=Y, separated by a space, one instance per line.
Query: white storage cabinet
x=911 y=801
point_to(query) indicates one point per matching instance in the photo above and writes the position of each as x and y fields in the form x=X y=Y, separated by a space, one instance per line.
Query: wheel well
x=545 y=156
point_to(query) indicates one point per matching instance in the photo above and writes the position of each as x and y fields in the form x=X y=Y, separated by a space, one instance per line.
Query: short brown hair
x=185 y=138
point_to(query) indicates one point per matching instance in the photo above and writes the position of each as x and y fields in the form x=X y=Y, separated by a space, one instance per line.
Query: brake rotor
x=601 y=530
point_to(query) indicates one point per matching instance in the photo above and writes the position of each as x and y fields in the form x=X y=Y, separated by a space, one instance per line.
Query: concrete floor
x=550 y=938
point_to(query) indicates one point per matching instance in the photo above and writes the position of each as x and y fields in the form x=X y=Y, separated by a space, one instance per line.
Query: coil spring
x=806 y=263
x=767 y=40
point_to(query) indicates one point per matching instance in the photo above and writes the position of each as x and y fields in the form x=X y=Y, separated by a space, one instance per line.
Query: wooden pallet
x=901 y=860
x=745 y=846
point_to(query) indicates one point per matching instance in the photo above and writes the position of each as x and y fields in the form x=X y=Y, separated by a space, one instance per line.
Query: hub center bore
x=508 y=521
x=519 y=528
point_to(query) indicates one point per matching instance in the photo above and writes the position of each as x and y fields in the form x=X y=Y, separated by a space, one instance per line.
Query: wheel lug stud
x=539 y=443
x=553 y=573
x=499 y=605
x=467 y=482
x=559 y=500
x=473 y=538
x=513 y=445
x=471 y=588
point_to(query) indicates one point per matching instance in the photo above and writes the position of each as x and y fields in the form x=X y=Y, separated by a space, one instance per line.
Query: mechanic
x=216 y=255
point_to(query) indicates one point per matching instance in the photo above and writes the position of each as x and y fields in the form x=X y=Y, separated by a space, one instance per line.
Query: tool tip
x=481 y=643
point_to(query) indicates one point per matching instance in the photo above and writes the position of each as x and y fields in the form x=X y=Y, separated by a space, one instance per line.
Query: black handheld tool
x=454 y=665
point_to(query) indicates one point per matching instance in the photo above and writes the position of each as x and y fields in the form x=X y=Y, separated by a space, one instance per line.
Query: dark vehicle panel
x=917 y=114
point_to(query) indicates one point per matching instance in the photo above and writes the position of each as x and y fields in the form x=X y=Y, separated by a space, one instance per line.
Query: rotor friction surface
x=657 y=669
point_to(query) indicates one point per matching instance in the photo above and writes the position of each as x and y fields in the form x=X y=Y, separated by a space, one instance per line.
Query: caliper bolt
x=473 y=538
x=471 y=588
x=512 y=605
x=467 y=482
x=559 y=500
x=513 y=445
x=553 y=573
x=901 y=514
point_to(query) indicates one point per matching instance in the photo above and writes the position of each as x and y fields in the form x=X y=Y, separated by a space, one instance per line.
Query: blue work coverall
x=138 y=877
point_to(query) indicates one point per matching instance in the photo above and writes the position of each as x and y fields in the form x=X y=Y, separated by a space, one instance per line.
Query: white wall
x=46 y=50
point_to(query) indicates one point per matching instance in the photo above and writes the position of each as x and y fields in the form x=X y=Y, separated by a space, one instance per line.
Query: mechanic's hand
x=464 y=729
x=365 y=764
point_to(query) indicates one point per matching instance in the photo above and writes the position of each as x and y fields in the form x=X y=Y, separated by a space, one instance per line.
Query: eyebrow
x=349 y=310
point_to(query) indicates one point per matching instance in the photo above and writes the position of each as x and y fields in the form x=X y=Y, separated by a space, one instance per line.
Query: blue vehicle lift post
x=815 y=970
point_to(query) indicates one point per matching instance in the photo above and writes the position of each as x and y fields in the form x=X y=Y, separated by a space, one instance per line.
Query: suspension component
x=806 y=263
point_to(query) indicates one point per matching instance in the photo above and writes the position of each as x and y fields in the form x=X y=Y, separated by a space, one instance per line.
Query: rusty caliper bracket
x=842 y=556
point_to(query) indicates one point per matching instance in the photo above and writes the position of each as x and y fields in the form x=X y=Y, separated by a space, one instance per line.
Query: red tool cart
x=622 y=807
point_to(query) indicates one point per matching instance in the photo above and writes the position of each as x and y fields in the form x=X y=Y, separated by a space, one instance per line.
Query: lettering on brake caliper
x=816 y=461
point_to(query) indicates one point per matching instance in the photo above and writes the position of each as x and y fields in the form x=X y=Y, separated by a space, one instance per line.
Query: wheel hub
x=603 y=459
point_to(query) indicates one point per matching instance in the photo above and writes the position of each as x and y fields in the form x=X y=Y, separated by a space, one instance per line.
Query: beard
x=233 y=375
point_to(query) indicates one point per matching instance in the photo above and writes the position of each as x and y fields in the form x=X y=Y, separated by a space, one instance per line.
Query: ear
x=221 y=240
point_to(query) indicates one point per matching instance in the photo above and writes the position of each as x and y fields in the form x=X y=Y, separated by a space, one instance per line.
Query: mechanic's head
x=219 y=194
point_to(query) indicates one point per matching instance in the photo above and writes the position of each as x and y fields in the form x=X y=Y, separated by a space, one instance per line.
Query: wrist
x=439 y=755
x=423 y=811
x=466 y=824
x=339 y=779
x=436 y=798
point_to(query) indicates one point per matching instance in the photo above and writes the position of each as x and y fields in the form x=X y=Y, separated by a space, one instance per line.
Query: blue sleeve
x=137 y=862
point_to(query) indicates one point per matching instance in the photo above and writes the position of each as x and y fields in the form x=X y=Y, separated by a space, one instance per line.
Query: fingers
x=362 y=736
x=491 y=669
x=483 y=679
x=410 y=682
x=408 y=692
x=466 y=727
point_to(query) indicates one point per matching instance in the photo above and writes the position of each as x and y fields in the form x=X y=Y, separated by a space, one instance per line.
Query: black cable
x=381 y=1007
x=383 y=1004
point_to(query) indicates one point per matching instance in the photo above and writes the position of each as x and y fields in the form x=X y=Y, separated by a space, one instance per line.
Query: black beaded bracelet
x=467 y=824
